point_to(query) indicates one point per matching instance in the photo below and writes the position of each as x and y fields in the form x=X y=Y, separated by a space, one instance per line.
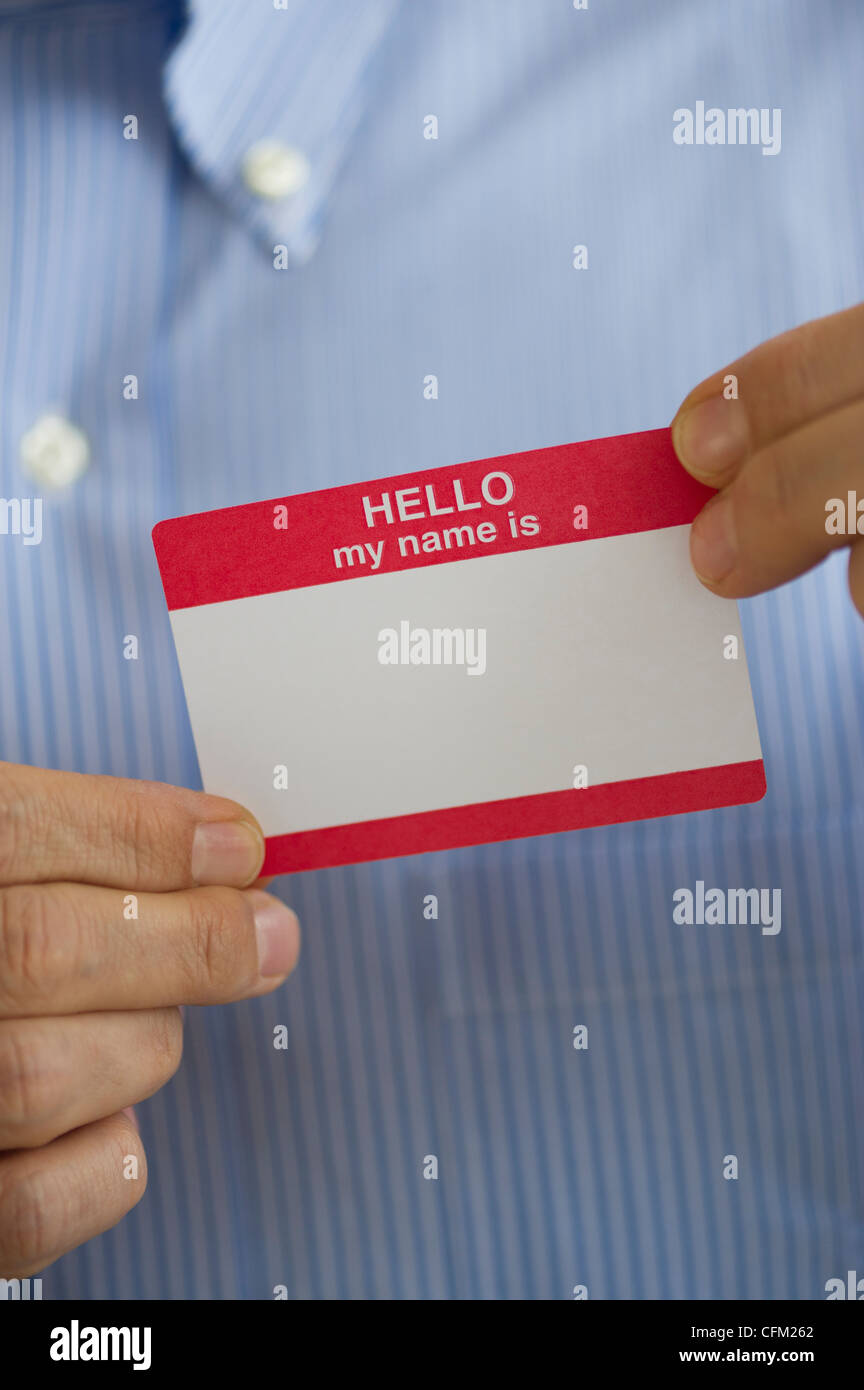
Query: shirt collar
x=246 y=71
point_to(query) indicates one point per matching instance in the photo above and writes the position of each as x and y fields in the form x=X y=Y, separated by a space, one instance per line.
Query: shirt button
x=54 y=451
x=274 y=170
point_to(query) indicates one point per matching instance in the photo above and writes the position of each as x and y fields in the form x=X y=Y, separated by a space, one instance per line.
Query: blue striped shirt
x=406 y=256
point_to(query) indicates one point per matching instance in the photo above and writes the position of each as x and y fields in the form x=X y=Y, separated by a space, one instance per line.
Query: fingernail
x=276 y=928
x=129 y=1110
x=713 y=544
x=226 y=851
x=712 y=437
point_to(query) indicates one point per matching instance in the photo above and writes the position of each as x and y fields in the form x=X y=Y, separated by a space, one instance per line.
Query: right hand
x=89 y=994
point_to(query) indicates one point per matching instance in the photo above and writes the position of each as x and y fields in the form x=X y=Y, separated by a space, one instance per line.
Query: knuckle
x=147 y=824
x=132 y=824
x=166 y=1041
x=799 y=382
x=29 y=1091
x=141 y=831
x=13 y=821
x=222 y=961
x=34 y=957
x=771 y=486
x=34 y=1214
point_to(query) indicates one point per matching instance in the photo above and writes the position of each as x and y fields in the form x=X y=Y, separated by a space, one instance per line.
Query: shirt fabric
x=408 y=256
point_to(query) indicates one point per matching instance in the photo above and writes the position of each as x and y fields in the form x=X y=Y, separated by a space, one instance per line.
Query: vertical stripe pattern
x=412 y=1038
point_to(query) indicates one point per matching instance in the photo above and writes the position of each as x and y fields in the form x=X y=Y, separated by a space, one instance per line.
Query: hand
x=789 y=446
x=89 y=1022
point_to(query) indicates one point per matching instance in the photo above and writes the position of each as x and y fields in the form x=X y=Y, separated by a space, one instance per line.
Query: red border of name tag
x=629 y=483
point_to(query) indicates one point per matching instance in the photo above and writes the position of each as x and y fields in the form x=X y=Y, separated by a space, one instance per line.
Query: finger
x=66 y=949
x=57 y=1074
x=107 y=830
x=781 y=385
x=770 y=523
x=56 y=1197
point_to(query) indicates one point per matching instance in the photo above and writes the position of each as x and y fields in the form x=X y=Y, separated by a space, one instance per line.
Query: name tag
x=509 y=647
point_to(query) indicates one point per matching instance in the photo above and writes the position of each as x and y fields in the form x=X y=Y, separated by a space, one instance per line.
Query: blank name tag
x=508 y=647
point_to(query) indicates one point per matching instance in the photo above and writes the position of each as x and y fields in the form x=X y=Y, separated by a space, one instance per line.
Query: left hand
x=791 y=441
